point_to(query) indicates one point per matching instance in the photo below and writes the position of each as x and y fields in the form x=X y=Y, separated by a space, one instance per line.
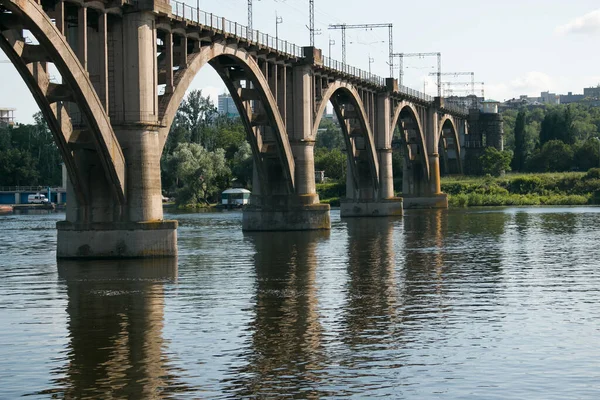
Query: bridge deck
x=282 y=48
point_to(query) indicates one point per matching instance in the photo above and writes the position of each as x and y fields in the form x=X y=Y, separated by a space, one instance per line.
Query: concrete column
x=432 y=140
x=304 y=158
x=103 y=59
x=58 y=197
x=17 y=198
x=82 y=40
x=104 y=228
x=299 y=210
x=383 y=143
x=301 y=135
x=169 y=65
x=183 y=52
x=59 y=14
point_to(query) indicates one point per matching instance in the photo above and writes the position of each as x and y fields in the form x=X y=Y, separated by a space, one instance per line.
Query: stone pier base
x=296 y=218
x=116 y=240
x=379 y=208
x=429 y=202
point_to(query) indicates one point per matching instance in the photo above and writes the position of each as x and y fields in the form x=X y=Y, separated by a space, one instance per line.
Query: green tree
x=333 y=162
x=17 y=168
x=329 y=136
x=200 y=174
x=586 y=155
x=554 y=156
x=520 y=150
x=242 y=165
x=495 y=162
x=197 y=113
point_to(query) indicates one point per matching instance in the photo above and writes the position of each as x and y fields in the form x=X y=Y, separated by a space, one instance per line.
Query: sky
x=516 y=47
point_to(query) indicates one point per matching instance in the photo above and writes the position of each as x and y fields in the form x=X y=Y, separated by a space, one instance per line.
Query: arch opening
x=409 y=151
x=257 y=108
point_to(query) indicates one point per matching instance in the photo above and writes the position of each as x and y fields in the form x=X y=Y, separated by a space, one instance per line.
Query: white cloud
x=531 y=84
x=586 y=24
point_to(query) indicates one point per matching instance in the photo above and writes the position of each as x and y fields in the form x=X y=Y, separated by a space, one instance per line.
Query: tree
x=242 y=165
x=332 y=162
x=200 y=174
x=586 y=155
x=17 y=168
x=197 y=113
x=495 y=162
x=329 y=136
x=519 y=159
x=554 y=156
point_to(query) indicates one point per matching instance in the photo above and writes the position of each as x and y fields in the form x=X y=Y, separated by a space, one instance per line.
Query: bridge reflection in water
x=326 y=311
x=115 y=320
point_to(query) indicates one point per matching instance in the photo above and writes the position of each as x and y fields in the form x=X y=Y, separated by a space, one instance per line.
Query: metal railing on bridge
x=350 y=70
x=195 y=15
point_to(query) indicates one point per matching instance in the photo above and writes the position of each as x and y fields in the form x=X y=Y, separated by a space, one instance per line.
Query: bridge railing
x=415 y=93
x=193 y=14
x=350 y=70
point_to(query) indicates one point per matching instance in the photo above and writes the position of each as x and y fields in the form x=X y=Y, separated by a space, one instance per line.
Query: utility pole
x=250 y=16
x=471 y=74
x=331 y=43
x=422 y=55
x=278 y=20
x=390 y=27
x=311 y=23
x=371 y=61
x=471 y=84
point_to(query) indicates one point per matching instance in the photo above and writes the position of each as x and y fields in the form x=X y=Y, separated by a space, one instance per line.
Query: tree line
x=553 y=138
x=28 y=155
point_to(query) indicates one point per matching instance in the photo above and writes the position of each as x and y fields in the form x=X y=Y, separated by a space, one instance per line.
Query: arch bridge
x=123 y=69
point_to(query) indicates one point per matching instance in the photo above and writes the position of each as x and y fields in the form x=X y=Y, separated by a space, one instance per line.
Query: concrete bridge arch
x=416 y=169
x=363 y=182
x=449 y=146
x=255 y=102
x=59 y=102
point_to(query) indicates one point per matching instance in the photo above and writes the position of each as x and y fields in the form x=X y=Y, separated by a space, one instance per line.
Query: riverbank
x=570 y=188
x=567 y=188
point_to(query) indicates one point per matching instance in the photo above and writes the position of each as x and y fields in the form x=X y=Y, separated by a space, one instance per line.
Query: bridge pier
x=106 y=225
x=300 y=209
x=375 y=199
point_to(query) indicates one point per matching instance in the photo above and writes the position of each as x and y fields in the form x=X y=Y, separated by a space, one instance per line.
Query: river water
x=469 y=304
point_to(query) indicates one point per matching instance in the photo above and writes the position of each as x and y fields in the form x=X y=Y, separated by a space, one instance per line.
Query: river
x=471 y=304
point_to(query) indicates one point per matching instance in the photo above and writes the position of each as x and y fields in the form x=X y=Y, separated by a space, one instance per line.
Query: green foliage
x=333 y=162
x=520 y=150
x=204 y=152
x=200 y=174
x=586 y=154
x=331 y=190
x=17 y=168
x=554 y=156
x=495 y=162
x=593 y=173
x=532 y=189
x=29 y=156
x=329 y=136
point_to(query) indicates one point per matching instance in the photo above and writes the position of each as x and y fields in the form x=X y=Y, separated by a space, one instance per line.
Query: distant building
x=226 y=106
x=549 y=98
x=7 y=116
x=592 y=92
x=571 y=98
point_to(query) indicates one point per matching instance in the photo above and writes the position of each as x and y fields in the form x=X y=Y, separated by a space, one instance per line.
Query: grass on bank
x=567 y=188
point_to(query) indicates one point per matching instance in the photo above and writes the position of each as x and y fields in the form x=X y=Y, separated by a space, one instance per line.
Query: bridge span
x=124 y=69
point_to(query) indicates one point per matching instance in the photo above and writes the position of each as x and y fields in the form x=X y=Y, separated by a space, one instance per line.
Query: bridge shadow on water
x=115 y=315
